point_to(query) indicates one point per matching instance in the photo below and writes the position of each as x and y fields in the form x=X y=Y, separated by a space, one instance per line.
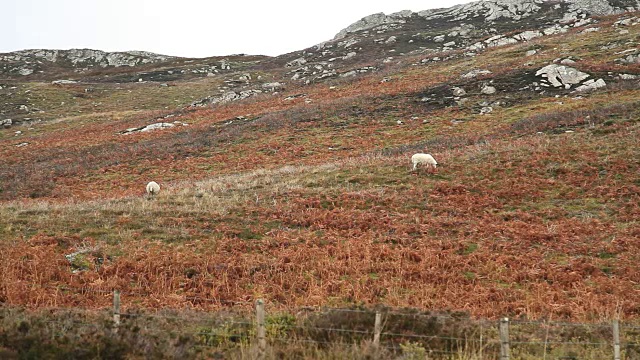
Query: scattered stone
x=224 y=65
x=22 y=144
x=630 y=59
x=297 y=62
x=349 y=73
x=25 y=72
x=625 y=22
x=628 y=77
x=475 y=47
x=591 y=85
x=555 y=29
x=274 y=86
x=349 y=55
x=531 y=52
x=151 y=127
x=6 y=123
x=63 y=82
x=475 y=73
x=486 y=110
x=458 y=91
x=590 y=30
x=488 y=90
x=296 y=96
x=528 y=35
x=391 y=40
x=500 y=40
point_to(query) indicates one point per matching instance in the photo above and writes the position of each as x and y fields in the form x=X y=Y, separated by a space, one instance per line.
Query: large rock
x=475 y=73
x=488 y=90
x=152 y=127
x=227 y=97
x=273 y=86
x=458 y=91
x=561 y=75
x=591 y=85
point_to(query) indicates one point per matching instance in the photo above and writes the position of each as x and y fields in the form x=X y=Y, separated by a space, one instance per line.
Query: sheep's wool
x=423 y=159
x=153 y=188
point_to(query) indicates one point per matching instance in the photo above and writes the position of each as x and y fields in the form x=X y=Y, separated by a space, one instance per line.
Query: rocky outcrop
x=568 y=11
x=490 y=10
x=227 y=97
x=561 y=75
x=565 y=76
x=374 y=20
x=26 y=62
x=152 y=127
x=591 y=85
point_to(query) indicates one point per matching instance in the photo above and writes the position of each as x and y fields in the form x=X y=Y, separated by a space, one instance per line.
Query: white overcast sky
x=189 y=28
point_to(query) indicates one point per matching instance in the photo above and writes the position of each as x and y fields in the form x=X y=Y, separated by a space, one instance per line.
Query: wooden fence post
x=616 y=340
x=260 y=329
x=481 y=339
x=116 y=308
x=377 y=330
x=504 y=339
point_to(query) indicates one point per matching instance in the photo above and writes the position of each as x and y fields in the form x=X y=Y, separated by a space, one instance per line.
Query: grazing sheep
x=153 y=188
x=423 y=159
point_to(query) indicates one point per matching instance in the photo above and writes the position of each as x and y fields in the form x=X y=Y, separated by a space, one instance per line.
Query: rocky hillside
x=369 y=45
x=288 y=177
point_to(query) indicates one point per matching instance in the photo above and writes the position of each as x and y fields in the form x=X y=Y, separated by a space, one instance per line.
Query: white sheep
x=153 y=188
x=423 y=159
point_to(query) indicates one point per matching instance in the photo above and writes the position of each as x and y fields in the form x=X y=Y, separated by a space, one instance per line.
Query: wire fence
x=438 y=334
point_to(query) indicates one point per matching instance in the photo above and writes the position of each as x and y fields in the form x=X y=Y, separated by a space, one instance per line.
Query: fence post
x=116 y=308
x=504 y=339
x=481 y=339
x=616 y=340
x=377 y=330
x=260 y=329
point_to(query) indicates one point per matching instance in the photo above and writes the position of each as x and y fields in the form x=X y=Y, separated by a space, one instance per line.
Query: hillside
x=288 y=178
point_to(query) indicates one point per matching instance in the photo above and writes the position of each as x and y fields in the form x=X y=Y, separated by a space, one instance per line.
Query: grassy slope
x=314 y=204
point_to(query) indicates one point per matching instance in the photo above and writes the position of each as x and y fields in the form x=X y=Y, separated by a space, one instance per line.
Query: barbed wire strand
x=186 y=318
x=556 y=323
x=368 y=332
x=558 y=343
